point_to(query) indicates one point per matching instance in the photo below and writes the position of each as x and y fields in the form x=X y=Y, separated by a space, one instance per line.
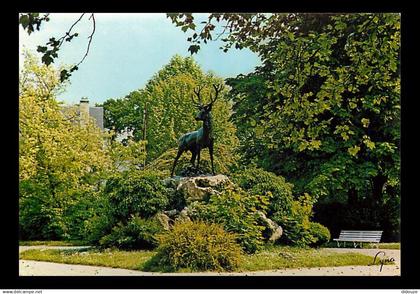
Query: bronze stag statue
x=203 y=137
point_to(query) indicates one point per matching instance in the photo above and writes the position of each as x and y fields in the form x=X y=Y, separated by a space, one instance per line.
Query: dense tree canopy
x=324 y=108
x=329 y=99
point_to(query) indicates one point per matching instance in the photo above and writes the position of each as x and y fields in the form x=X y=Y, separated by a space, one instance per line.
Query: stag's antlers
x=217 y=89
x=197 y=92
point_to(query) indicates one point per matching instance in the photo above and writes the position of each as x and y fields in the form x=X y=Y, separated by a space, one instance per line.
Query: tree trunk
x=352 y=197
x=378 y=183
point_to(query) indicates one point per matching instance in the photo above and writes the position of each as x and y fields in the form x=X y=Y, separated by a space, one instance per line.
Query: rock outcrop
x=273 y=230
x=164 y=220
x=199 y=188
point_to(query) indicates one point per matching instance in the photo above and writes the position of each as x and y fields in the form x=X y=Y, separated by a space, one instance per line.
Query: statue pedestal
x=199 y=188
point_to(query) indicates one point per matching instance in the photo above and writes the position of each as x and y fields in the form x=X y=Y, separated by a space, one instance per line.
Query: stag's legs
x=194 y=155
x=198 y=158
x=211 y=158
x=176 y=159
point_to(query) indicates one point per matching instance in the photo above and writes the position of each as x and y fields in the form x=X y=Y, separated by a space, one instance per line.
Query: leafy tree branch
x=32 y=21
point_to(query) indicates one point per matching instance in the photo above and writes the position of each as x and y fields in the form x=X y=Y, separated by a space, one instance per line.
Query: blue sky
x=126 y=50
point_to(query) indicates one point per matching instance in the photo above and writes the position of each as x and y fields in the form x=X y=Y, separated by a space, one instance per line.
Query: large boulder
x=168 y=217
x=273 y=230
x=164 y=220
x=183 y=215
x=198 y=188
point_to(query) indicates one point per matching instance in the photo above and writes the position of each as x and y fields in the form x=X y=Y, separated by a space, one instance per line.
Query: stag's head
x=204 y=109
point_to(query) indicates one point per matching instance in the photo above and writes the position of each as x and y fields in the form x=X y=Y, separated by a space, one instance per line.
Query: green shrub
x=136 y=192
x=235 y=210
x=320 y=233
x=41 y=216
x=78 y=215
x=296 y=233
x=199 y=246
x=292 y=215
x=101 y=222
x=257 y=181
x=296 y=225
x=137 y=234
x=131 y=192
x=98 y=226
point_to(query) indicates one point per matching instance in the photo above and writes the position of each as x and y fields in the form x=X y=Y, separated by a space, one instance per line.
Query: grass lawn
x=365 y=245
x=112 y=258
x=291 y=257
x=383 y=246
x=52 y=243
x=269 y=259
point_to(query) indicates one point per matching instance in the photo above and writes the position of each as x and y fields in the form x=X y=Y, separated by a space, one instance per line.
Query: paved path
x=40 y=268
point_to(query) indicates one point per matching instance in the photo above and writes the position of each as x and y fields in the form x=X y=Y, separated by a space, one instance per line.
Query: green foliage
x=61 y=160
x=32 y=21
x=100 y=222
x=324 y=107
x=128 y=155
x=293 y=215
x=235 y=210
x=136 y=192
x=296 y=226
x=78 y=215
x=257 y=181
x=126 y=194
x=138 y=233
x=245 y=29
x=39 y=216
x=320 y=233
x=199 y=246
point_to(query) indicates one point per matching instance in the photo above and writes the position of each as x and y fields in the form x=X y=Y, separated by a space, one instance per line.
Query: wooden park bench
x=359 y=237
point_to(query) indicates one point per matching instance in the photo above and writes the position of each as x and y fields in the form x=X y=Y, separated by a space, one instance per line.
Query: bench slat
x=370 y=236
x=361 y=236
x=361 y=232
x=346 y=236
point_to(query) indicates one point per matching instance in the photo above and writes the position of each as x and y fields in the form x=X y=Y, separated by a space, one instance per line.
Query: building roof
x=98 y=114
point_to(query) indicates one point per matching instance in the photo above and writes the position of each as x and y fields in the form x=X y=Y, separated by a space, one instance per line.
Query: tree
x=128 y=155
x=333 y=98
x=61 y=162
